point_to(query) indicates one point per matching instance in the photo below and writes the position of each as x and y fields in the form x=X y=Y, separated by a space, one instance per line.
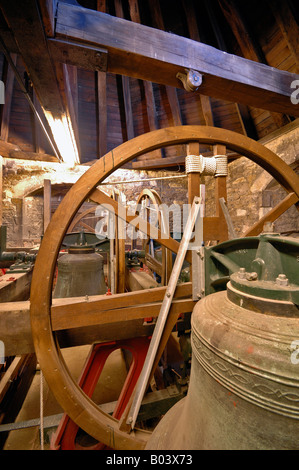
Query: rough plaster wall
x=251 y=191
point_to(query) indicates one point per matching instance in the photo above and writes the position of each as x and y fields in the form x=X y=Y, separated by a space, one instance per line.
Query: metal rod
x=230 y=226
x=23 y=88
x=166 y=304
x=144 y=180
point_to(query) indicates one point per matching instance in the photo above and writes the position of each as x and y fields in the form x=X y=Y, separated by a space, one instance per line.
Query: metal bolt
x=242 y=273
x=168 y=294
x=282 y=280
x=251 y=276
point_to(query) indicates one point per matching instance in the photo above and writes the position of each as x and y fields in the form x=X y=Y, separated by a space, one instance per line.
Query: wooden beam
x=148 y=86
x=47 y=203
x=171 y=91
x=249 y=49
x=205 y=101
x=77 y=312
x=241 y=110
x=155 y=163
x=158 y=56
x=107 y=318
x=126 y=85
x=9 y=150
x=9 y=85
x=288 y=26
x=101 y=89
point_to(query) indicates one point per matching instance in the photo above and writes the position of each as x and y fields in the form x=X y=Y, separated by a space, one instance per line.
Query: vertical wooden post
x=220 y=191
x=6 y=108
x=101 y=79
x=194 y=179
x=47 y=203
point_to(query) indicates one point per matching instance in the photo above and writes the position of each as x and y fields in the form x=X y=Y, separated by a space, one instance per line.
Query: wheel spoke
x=272 y=215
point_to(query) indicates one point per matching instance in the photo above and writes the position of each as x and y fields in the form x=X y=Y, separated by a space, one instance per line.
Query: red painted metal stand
x=65 y=435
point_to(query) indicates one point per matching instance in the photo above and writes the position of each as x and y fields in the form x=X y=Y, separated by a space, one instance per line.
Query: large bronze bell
x=80 y=271
x=244 y=381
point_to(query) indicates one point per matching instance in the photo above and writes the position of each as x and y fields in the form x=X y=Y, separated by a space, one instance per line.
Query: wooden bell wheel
x=151 y=200
x=81 y=409
x=116 y=263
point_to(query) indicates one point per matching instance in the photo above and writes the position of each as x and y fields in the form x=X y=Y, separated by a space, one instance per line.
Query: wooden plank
x=158 y=163
x=9 y=375
x=127 y=312
x=48 y=10
x=64 y=307
x=15 y=286
x=158 y=56
x=9 y=150
x=102 y=113
x=272 y=215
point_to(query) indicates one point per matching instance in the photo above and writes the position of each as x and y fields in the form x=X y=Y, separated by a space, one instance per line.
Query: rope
x=213 y=166
x=41 y=410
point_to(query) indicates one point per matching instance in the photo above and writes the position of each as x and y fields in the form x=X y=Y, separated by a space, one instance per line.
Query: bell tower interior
x=149 y=229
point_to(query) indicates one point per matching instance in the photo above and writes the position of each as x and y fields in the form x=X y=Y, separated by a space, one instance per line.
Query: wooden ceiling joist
x=28 y=30
x=288 y=26
x=158 y=56
x=249 y=49
x=5 y=112
x=148 y=86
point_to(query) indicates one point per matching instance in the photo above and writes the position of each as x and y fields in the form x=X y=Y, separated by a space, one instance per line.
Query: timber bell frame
x=85 y=413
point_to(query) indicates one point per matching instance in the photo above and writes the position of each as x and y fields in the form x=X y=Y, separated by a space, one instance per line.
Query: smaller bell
x=80 y=271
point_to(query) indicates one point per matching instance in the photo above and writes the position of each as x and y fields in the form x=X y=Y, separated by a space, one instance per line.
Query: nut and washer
x=282 y=280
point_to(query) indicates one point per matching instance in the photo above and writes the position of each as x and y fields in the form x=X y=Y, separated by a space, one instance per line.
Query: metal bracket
x=231 y=230
x=191 y=79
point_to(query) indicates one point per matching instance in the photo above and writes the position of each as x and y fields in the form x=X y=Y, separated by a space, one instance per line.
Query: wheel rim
x=76 y=404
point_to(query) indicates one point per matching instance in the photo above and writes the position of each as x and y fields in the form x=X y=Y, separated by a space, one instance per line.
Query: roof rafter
x=150 y=54
x=28 y=30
